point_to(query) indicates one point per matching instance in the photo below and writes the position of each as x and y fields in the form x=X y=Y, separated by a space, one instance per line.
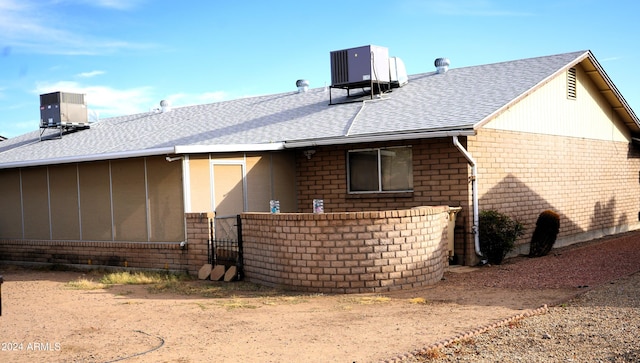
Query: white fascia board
x=203 y=149
x=94 y=157
x=377 y=138
x=186 y=149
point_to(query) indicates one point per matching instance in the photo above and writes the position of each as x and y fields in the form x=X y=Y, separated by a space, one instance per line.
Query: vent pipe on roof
x=303 y=85
x=165 y=106
x=442 y=65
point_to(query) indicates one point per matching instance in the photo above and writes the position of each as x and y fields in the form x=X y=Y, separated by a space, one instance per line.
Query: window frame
x=380 y=171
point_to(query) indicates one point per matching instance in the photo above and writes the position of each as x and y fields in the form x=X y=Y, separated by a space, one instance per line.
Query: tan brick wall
x=197 y=225
x=592 y=184
x=169 y=256
x=116 y=254
x=439 y=171
x=346 y=252
x=440 y=175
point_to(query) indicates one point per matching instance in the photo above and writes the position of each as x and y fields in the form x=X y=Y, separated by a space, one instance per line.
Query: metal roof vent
x=165 y=106
x=571 y=83
x=303 y=85
x=442 y=65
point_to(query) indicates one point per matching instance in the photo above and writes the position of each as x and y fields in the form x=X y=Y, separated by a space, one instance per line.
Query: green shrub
x=498 y=234
x=545 y=234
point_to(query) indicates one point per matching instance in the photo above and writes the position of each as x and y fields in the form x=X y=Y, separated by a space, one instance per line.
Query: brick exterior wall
x=162 y=256
x=592 y=184
x=440 y=177
x=346 y=252
x=198 y=233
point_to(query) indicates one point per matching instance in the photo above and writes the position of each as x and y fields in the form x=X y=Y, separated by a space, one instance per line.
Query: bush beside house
x=545 y=234
x=498 y=234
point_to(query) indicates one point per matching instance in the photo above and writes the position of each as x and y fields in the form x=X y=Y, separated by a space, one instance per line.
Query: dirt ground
x=43 y=319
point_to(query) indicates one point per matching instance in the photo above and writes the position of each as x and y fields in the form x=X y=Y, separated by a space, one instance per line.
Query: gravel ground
x=600 y=324
x=474 y=315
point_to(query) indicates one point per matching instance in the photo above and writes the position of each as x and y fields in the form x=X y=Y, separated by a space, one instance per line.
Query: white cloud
x=105 y=100
x=214 y=96
x=113 y=4
x=9 y=5
x=26 y=26
x=90 y=74
x=464 y=8
x=108 y=102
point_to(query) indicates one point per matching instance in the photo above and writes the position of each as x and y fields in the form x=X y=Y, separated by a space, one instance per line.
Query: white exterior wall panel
x=548 y=111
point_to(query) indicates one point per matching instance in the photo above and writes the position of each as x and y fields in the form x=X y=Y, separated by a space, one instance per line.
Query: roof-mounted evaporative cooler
x=359 y=67
x=63 y=111
x=368 y=67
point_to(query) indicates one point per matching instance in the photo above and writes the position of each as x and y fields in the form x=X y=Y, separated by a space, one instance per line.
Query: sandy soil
x=45 y=320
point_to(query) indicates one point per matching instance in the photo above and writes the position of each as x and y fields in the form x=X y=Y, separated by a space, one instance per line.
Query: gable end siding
x=549 y=111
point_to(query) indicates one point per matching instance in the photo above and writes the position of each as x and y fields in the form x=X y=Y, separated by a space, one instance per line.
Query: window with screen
x=380 y=170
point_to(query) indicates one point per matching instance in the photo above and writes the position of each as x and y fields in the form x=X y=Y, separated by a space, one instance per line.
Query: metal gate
x=225 y=243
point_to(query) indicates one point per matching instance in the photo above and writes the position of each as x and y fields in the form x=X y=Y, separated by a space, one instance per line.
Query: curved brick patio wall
x=346 y=252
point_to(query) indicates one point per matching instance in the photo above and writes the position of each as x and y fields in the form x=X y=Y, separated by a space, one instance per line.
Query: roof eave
x=623 y=109
x=634 y=124
x=222 y=148
x=85 y=158
x=180 y=149
x=358 y=139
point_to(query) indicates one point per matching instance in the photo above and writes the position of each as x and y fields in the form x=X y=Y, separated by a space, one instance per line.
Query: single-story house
x=520 y=136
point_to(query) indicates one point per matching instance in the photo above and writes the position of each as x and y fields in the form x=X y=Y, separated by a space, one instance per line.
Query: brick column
x=197 y=225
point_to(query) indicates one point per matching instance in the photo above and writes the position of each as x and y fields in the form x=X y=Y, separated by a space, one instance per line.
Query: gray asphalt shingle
x=456 y=100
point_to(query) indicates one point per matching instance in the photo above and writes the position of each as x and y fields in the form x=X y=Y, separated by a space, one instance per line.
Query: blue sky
x=127 y=55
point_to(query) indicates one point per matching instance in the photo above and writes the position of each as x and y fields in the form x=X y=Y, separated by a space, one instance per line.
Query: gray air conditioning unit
x=360 y=67
x=61 y=109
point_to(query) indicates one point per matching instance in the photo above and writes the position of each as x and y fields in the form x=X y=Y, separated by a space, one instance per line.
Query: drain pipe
x=474 y=194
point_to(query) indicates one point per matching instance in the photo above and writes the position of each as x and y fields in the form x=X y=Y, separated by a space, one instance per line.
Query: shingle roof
x=460 y=99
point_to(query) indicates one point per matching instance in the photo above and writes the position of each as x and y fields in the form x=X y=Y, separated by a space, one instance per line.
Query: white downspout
x=474 y=195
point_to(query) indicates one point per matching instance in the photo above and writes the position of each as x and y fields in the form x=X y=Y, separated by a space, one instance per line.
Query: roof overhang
x=170 y=150
x=340 y=140
x=224 y=148
x=609 y=91
x=85 y=158
x=599 y=78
